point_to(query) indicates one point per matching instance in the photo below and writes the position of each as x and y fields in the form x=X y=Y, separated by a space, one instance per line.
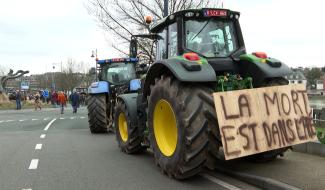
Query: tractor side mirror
x=133 y=47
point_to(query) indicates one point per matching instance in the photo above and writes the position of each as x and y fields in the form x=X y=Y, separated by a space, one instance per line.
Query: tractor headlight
x=94 y=85
x=189 y=14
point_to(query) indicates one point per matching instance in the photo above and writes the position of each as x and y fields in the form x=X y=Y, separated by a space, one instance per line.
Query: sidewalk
x=315 y=148
x=301 y=170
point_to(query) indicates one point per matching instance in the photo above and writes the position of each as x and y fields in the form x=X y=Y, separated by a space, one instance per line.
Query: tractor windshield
x=210 y=38
x=119 y=73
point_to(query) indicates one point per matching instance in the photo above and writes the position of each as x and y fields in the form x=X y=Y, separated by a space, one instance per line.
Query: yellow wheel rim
x=123 y=127
x=165 y=129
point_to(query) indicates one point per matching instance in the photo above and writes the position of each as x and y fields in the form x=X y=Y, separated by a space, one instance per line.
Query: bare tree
x=121 y=19
x=42 y=81
x=72 y=75
x=2 y=70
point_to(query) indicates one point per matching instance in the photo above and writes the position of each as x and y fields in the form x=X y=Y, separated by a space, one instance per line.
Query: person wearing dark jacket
x=75 y=101
x=18 y=100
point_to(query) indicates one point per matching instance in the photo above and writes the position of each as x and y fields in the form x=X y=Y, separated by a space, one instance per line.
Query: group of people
x=19 y=97
x=57 y=99
x=61 y=99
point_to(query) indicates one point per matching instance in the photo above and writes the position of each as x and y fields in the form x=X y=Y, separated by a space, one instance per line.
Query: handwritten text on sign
x=257 y=120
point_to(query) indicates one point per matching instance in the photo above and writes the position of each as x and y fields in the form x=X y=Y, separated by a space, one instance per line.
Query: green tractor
x=199 y=52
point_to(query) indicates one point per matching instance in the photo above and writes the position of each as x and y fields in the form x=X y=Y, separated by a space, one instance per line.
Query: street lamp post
x=165 y=8
x=53 y=83
x=94 y=54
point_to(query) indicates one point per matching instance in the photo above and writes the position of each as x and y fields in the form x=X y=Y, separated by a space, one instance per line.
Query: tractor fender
x=183 y=70
x=130 y=101
x=261 y=69
x=98 y=87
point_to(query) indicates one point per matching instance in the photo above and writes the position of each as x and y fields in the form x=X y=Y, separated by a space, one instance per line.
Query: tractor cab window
x=161 y=46
x=172 y=40
x=119 y=73
x=210 y=38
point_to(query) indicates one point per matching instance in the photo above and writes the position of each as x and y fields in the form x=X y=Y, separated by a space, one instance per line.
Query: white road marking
x=26 y=189
x=43 y=136
x=21 y=120
x=45 y=119
x=49 y=124
x=34 y=119
x=9 y=120
x=1 y=121
x=33 y=164
x=220 y=182
x=62 y=118
x=82 y=117
x=72 y=117
x=38 y=147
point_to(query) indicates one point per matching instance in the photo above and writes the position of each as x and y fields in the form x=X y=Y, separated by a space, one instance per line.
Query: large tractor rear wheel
x=179 y=127
x=127 y=133
x=97 y=113
x=273 y=154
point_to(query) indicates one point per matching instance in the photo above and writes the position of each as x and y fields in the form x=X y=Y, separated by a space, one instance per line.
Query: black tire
x=194 y=111
x=133 y=142
x=97 y=113
x=272 y=154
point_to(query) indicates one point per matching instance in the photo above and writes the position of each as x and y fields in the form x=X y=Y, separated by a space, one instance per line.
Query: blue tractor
x=116 y=76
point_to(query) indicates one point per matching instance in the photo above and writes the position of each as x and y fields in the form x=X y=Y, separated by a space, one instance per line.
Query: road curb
x=315 y=148
x=258 y=181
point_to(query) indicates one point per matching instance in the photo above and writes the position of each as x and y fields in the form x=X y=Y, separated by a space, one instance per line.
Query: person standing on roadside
x=18 y=100
x=37 y=102
x=75 y=101
x=54 y=99
x=62 y=101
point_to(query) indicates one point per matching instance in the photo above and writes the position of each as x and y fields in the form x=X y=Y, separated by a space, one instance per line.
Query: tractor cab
x=118 y=71
x=213 y=34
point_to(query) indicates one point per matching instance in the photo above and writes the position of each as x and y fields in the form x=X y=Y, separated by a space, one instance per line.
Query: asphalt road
x=44 y=150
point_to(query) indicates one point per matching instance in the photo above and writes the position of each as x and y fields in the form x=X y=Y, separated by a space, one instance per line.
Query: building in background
x=296 y=77
x=320 y=86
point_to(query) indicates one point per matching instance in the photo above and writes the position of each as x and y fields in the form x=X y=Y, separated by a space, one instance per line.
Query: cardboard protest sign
x=262 y=119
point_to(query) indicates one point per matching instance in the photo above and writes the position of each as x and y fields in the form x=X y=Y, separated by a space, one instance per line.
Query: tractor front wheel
x=97 y=113
x=127 y=133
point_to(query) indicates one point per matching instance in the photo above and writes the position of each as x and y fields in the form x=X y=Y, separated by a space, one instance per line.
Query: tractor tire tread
x=194 y=101
x=97 y=113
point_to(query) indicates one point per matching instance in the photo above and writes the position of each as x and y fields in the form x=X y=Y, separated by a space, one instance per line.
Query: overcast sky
x=36 y=34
